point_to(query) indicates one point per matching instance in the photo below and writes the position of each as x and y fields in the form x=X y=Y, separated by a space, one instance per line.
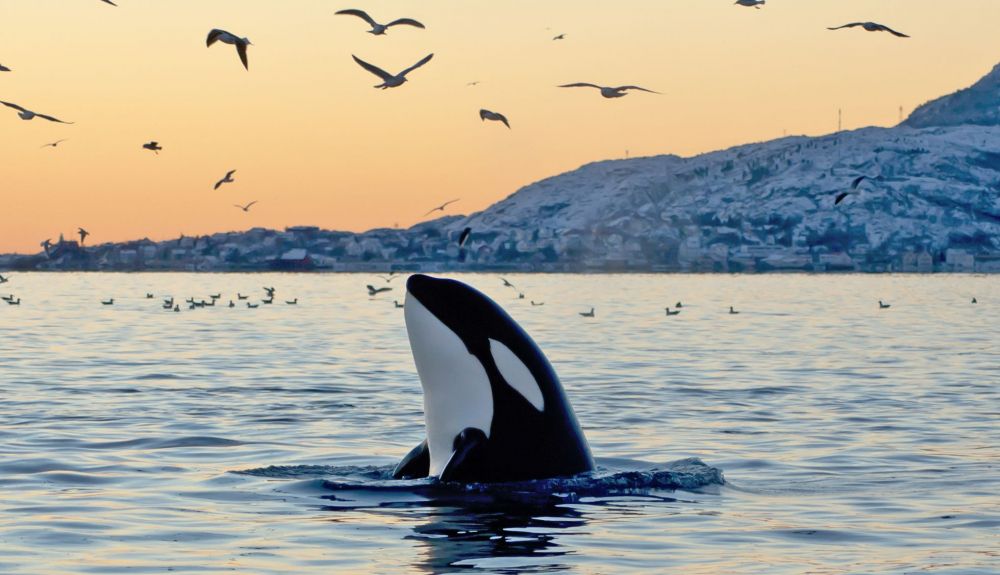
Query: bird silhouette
x=379 y=29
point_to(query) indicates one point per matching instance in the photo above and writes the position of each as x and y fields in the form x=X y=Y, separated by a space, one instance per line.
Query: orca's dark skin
x=522 y=442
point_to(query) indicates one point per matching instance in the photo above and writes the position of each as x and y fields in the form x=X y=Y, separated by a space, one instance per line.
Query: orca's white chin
x=457 y=392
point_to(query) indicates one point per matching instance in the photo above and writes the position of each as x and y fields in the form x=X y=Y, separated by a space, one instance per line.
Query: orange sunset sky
x=315 y=144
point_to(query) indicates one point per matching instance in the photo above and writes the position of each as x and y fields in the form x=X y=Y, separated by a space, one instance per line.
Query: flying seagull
x=464 y=237
x=441 y=207
x=872 y=27
x=54 y=144
x=245 y=208
x=83 y=235
x=559 y=37
x=154 y=146
x=474 y=83
x=854 y=186
x=216 y=35
x=109 y=2
x=608 y=91
x=3 y=280
x=29 y=115
x=388 y=80
x=485 y=114
x=840 y=197
x=4 y=68
x=748 y=3
x=379 y=29
x=374 y=291
x=507 y=283
x=227 y=180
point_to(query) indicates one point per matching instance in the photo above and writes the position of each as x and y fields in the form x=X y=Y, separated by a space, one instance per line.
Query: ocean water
x=851 y=439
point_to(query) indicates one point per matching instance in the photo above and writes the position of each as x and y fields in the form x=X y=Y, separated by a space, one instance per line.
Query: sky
x=315 y=144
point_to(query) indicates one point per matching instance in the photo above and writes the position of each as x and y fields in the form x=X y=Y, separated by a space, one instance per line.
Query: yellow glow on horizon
x=315 y=144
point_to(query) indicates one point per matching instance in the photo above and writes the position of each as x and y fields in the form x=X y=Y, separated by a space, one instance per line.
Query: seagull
x=8 y=297
x=54 y=144
x=670 y=313
x=14 y=302
x=227 y=180
x=46 y=245
x=215 y=296
x=83 y=234
x=854 y=186
x=485 y=114
x=475 y=83
x=270 y=292
x=840 y=197
x=464 y=237
x=108 y=302
x=559 y=37
x=507 y=283
x=883 y=305
x=373 y=291
x=608 y=91
x=4 y=68
x=109 y=2
x=241 y=296
x=231 y=304
x=536 y=303
x=154 y=146
x=732 y=311
x=872 y=27
x=441 y=207
x=253 y=305
x=216 y=35
x=268 y=301
x=678 y=305
x=388 y=80
x=389 y=278
x=149 y=295
x=587 y=313
x=973 y=299
x=748 y=3
x=292 y=302
x=3 y=280
x=398 y=305
x=379 y=29
x=245 y=208
x=28 y=114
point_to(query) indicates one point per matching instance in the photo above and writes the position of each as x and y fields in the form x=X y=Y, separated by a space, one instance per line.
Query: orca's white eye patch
x=516 y=374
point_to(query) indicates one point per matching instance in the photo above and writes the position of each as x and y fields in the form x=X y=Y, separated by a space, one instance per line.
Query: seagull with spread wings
x=226 y=180
x=54 y=144
x=4 y=68
x=379 y=29
x=871 y=27
x=485 y=114
x=245 y=208
x=608 y=91
x=109 y=2
x=389 y=80
x=153 y=146
x=217 y=35
x=26 y=114
x=751 y=3
x=441 y=207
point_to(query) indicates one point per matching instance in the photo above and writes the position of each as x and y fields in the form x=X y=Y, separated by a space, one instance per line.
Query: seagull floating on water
x=252 y=305
x=974 y=300
x=154 y=146
x=751 y=3
x=884 y=305
x=26 y=114
x=608 y=91
x=536 y=303
x=108 y=302
x=732 y=311
x=245 y=208
x=441 y=207
x=226 y=180
x=587 y=313
x=872 y=27
x=398 y=305
x=217 y=35
x=389 y=80
x=292 y=302
x=379 y=29
x=670 y=313
x=485 y=114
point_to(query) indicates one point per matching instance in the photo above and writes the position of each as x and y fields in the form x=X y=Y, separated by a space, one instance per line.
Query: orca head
x=459 y=337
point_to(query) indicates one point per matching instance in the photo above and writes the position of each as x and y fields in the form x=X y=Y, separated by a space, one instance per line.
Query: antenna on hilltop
x=900 y=114
x=840 y=119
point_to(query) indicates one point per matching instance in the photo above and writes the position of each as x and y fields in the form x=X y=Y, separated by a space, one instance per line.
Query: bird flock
x=389 y=80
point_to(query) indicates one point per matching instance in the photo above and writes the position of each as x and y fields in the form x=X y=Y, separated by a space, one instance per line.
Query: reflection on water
x=853 y=439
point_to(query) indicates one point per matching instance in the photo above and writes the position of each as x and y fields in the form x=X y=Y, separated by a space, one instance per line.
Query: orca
x=493 y=406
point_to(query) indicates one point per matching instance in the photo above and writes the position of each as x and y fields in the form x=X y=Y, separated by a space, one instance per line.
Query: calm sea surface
x=852 y=439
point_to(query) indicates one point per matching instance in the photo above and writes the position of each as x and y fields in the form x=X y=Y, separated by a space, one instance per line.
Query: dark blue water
x=830 y=436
